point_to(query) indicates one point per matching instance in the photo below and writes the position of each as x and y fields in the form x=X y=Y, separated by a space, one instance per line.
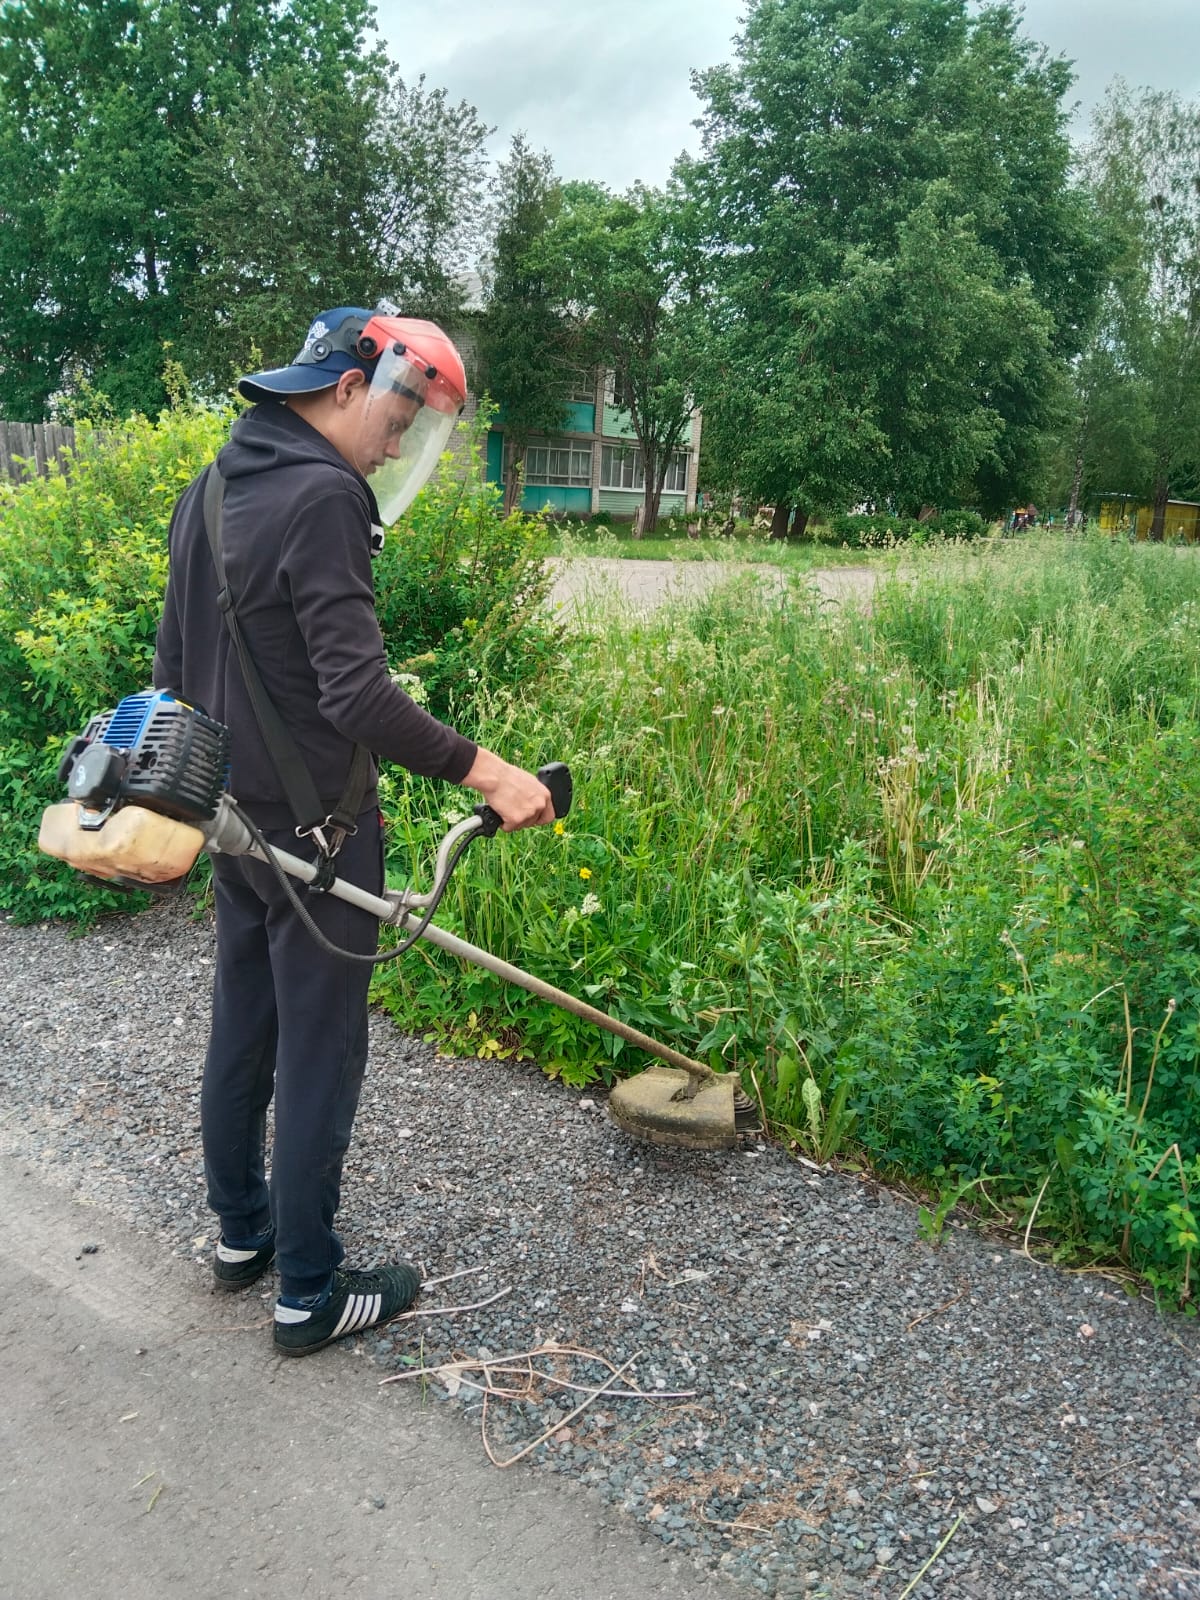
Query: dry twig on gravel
x=519 y=1364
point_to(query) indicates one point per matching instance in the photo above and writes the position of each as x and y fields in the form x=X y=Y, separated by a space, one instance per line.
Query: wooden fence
x=27 y=447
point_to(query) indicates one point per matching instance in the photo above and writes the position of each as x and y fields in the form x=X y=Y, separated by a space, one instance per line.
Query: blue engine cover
x=178 y=757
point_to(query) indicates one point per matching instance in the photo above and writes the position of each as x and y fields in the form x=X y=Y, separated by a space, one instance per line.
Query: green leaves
x=895 y=259
x=460 y=589
x=1136 y=421
x=82 y=570
x=622 y=261
x=207 y=178
x=527 y=337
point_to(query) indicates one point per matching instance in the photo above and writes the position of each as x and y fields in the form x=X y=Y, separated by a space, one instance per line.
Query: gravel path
x=859 y=1397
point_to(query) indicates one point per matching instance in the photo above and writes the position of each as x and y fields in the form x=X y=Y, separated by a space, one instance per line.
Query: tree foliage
x=1137 y=388
x=527 y=343
x=897 y=263
x=621 y=255
x=204 y=177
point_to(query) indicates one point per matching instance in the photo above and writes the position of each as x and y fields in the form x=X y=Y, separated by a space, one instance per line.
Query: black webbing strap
x=310 y=814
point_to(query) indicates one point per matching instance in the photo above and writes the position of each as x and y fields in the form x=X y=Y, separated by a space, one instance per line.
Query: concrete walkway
x=642 y=585
x=154 y=1448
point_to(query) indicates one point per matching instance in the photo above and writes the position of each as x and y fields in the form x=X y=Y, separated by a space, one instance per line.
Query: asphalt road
x=154 y=1448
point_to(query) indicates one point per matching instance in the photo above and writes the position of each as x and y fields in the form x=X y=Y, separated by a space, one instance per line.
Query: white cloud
x=604 y=84
x=605 y=88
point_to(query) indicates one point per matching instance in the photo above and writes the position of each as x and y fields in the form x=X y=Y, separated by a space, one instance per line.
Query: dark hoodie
x=297 y=543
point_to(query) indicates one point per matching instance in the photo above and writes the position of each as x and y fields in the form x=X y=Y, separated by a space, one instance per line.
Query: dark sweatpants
x=291 y=1020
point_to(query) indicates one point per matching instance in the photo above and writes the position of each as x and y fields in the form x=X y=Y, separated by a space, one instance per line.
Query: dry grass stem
x=1033 y=1218
x=547 y=1433
x=621 y=1394
x=449 y=1311
x=734 y=1527
x=448 y=1277
x=480 y=1372
x=936 y=1310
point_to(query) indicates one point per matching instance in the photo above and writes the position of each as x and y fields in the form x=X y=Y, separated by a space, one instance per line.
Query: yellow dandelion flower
x=559 y=829
x=585 y=873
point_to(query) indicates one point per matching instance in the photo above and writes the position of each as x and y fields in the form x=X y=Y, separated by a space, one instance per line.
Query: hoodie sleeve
x=168 y=644
x=325 y=572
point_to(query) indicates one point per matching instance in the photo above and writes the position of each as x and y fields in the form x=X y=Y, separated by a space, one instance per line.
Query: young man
x=338 y=441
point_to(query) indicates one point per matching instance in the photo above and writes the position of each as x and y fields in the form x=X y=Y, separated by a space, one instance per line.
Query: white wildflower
x=590 y=906
x=412 y=686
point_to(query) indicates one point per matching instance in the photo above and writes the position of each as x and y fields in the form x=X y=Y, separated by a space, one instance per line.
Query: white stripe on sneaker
x=288 y=1314
x=359 y=1312
x=351 y=1312
x=226 y=1252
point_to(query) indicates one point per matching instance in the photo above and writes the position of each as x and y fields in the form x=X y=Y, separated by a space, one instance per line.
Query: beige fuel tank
x=133 y=843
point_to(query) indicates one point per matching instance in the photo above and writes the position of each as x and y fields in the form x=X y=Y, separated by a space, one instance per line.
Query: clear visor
x=407 y=420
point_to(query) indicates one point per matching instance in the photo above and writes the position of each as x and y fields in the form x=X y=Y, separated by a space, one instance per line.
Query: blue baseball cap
x=330 y=348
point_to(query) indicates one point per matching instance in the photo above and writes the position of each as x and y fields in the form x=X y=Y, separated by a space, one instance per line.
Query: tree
x=621 y=256
x=191 y=174
x=526 y=334
x=897 y=264
x=1144 y=162
x=304 y=195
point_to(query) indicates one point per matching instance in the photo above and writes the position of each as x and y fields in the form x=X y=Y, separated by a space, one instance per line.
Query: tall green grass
x=927 y=876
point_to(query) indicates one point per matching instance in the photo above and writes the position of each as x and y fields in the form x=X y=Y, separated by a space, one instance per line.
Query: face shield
x=415 y=394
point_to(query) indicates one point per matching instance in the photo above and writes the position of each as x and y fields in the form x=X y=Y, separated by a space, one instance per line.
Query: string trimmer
x=147 y=794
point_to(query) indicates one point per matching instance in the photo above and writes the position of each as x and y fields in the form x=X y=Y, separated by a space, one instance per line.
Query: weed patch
x=926 y=877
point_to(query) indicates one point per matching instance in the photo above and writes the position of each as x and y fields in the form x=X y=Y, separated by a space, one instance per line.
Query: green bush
x=460 y=591
x=959 y=525
x=82 y=567
x=874 y=530
x=82 y=570
x=880 y=530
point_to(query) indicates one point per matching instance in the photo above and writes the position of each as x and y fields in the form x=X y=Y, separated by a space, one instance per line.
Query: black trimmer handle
x=556 y=776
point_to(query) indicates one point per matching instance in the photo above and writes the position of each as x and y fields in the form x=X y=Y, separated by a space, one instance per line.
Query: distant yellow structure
x=1121 y=513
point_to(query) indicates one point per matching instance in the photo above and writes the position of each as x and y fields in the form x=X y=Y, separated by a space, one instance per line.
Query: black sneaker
x=359 y=1300
x=238 y=1269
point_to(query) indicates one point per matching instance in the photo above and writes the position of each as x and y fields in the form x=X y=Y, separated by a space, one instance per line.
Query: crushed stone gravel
x=841 y=1398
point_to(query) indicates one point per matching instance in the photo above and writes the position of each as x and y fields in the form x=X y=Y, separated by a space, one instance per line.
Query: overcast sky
x=604 y=86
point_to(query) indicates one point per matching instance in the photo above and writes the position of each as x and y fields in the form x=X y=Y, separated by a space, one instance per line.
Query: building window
x=559 y=462
x=581 y=386
x=621 y=468
x=618 y=391
x=677 y=469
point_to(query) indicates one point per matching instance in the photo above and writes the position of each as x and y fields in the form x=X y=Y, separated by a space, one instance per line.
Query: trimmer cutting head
x=658 y=1107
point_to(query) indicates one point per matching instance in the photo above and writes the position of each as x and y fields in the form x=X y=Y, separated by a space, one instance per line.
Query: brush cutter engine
x=153 y=751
